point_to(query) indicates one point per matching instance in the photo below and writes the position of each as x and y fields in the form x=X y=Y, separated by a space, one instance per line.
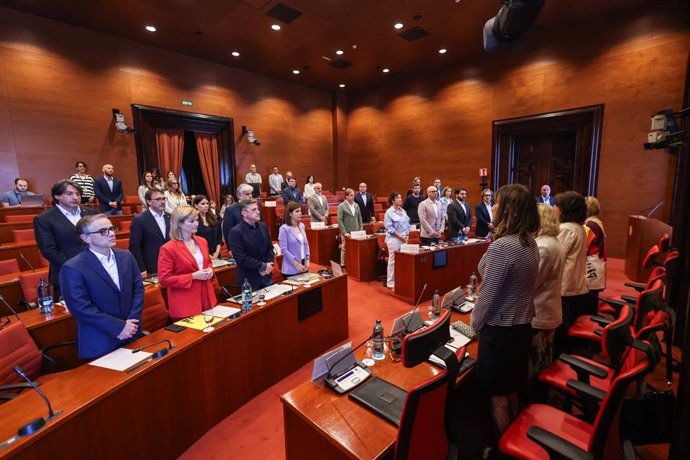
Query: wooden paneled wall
x=58 y=84
x=439 y=123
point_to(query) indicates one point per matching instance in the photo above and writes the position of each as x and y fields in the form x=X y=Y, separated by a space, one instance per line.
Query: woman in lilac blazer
x=293 y=242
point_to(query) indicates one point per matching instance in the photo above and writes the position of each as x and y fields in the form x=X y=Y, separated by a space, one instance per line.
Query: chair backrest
x=155 y=313
x=418 y=346
x=664 y=242
x=23 y=235
x=9 y=266
x=17 y=348
x=617 y=336
x=605 y=442
x=125 y=225
x=650 y=258
x=122 y=244
x=648 y=301
x=19 y=218
x=29 y=282
x=673 y=265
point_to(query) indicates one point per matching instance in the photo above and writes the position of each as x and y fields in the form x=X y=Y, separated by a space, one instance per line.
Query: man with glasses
x=484 y=215
x=251 y=247
x=103 y=290
x=55 y=232
x=149 y=231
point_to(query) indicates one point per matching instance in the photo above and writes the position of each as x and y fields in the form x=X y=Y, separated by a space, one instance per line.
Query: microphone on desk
x=345 y=356
x=2 y=299
x=35 y=425
x=170 y=347
x=396 y=342
x=27 y=262
x=226 y=292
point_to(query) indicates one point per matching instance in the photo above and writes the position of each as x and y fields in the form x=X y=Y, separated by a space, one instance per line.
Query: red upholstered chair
x=376 y=227
x=280 y=215
x=9 y=266
x=17 y=348
x=122 y=244
x=155 y=313
x=44 y=262
x=20 y=219
x=543 y=432
x=29 y=282
x=125 y=225
x=413 y=237
x=23 y=235
x=423 y=430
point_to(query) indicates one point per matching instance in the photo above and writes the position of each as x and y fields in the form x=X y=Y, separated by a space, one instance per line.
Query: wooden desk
x=413 y=270
x=322 y=424
x=323 y=245
x=162 y=408
x=268 y=215
x=360 y=259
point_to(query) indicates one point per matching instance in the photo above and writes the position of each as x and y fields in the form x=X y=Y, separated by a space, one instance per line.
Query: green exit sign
x=186 y=102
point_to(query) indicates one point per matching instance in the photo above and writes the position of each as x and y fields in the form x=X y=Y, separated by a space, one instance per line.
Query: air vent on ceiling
x=413 y=34
x=340 y=63
x=284 y=13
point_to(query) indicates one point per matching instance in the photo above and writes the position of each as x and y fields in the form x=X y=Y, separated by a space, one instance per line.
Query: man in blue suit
x=545 y=196
x=149 y=231
x=109 y=192
x=484 y=213
x=55 y=229
x=103 y=290
x=251 y=247
x=291 y=192
x=459 y=216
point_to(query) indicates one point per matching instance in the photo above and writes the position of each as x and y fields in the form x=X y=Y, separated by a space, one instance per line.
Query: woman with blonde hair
x=596 y=251
x=184 y=266
x=446 y=199
x=547 y=293
x=173 y=195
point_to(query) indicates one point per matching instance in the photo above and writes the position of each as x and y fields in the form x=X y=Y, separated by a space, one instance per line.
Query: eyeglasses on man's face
x=105 y=231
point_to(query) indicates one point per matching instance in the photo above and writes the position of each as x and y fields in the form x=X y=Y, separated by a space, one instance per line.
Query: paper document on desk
x=196 y=322
x=220 y=263
x=221 y=311
x=120 y=359
x=303 y=278
x=358 y=235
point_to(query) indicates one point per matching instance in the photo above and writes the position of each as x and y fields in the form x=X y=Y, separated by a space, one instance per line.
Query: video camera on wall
x=664 y=131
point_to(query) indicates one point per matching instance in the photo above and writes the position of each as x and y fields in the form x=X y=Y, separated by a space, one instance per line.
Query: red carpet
x=255 y=431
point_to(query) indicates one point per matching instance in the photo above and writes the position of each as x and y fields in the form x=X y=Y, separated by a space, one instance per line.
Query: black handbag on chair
x=648 y=420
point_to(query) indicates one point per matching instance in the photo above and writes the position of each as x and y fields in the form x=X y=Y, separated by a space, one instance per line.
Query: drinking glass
x=262 y=298
x=208 y=319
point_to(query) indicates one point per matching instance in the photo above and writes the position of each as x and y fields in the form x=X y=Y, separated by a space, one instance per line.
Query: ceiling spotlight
x=296 y=72
x=386 y=70
x=398 y=25
x=342 y=85
x=236 y=53
x=339 y=52
x=275 y=27
x=442 y=51
x=151 y=28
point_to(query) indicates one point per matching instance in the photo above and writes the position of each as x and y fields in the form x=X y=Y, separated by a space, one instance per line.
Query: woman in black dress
x=209 y=227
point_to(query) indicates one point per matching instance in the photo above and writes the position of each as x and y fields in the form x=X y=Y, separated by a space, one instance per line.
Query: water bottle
x=377 y=336
x=45 y=297
x=436 y=304
x=246 y=296
x=473 y=286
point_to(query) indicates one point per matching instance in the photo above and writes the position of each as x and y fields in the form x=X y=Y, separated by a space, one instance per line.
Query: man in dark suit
x=366 y=203
x=459 y=216
x=292 y=193
x=286 y=183
x=109 y=192
x=103 y=290
x=484 y=215
x=55 y=229
x=232 y=215
x=545 y=196
x=149 y=231
x=251 y=247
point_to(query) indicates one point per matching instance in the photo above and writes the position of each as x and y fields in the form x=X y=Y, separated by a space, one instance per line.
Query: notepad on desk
x=197 y=322
x=221 y=311
x=120 y=359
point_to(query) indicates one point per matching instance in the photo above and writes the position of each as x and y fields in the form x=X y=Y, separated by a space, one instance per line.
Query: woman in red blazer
x=184 y=266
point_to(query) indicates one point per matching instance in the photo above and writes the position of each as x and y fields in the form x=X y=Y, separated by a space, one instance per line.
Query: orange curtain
x=170 y=145
x=207 y=145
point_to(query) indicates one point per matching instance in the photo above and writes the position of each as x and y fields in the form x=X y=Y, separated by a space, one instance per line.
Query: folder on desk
x=382 y=398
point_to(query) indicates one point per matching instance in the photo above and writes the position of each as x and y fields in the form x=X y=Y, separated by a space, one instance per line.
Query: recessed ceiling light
x=342 y=85
x=442 y=51
x=275 y=27
x=339 y=52
x=296 y=72
x=151 y=28
x=236 y=53
x=386 y=70
x=398 y=25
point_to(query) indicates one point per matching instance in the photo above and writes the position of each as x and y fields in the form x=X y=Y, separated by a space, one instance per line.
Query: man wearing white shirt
x=430 y=218
x=55 y=232
x=275 y=182
x=149 y=231
x=253 y=178
x=103 y=290
x=545 y=196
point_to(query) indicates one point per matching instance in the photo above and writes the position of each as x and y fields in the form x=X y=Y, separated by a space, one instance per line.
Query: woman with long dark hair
x=209 y=227
x=505 y=306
